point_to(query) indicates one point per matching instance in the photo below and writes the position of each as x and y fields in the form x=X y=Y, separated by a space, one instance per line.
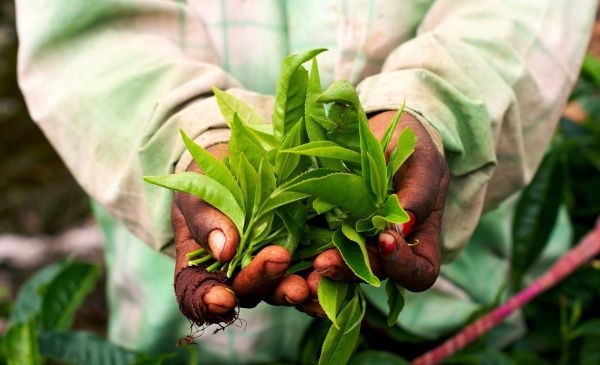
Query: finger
x=209 y=227
x=256 y=281
x=312 y=280
x=291 y=290
x=203 y=297
x=418 y=179
x=417 y=267
x=312 y=308
x=330 y=264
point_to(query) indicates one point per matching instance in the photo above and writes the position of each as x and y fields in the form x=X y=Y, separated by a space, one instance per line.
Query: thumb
x=209 y=227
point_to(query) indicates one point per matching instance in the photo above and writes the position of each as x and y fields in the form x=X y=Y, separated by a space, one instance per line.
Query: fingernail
x=387 y=243
x=216 y=242
x=405 y=228
x=275 y=269
x=219 y=300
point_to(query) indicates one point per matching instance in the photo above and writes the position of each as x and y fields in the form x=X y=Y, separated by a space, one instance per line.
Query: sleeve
x=491 y=79
x=110 y=83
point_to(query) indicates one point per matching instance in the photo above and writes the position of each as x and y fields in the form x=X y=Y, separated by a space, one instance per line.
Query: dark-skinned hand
x=413 y=261
x=197 y=224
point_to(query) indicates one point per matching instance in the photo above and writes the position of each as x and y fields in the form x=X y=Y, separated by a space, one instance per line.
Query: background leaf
x=20 y=344
x=395 y=300
x=83 y=348
x=373 y=357
x=66 y=293
x=535 y=214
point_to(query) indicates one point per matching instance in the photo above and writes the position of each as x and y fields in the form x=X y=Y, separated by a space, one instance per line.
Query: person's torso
x=250 y=37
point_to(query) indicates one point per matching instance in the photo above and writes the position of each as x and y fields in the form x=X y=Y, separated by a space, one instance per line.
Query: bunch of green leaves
x=317 y=179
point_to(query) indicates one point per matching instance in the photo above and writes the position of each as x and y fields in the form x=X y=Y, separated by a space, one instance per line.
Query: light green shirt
x=111 y=82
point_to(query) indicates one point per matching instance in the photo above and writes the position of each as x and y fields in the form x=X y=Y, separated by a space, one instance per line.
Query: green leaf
x=213 y=168
x=336 y=188
x=339 y=345
x=377 y=181
x=389 y=132
x=286 y=163
x=590 y=327
x=291 y=94
x=404 y=148
x=312 y=341
x=264 y=133
x=243 y=141
x=248 y=180
x=266 y=185
x=395 y=301
x=20 y=344
x=28 y=304
x=325 y=149
x=535 y=215
x=589 y=354
x=293 y=217
x=331 y=294
x=393 y=213
x=66 y=293
x=365 y=226
x=353 y=249
x=372 y=161
x=320 y=206
x=345 y=126
x=83 y=348
x=299 y=266
x=206 y=189
x=280 y=198
x=312 y=108
x=373 y=357
x=591 y=69
x=341 y=92
x=231 y=105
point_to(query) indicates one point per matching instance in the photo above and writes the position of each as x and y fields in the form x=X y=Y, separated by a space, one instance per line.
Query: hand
x=209 y=297
x=421 y=185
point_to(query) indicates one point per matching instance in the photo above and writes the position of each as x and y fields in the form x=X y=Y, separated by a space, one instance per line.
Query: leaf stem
x=214 y=266
x=193 y=254
x=200 y=260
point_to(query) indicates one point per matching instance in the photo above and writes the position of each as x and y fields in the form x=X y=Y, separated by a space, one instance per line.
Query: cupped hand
x=411 y=260
x=210 y=297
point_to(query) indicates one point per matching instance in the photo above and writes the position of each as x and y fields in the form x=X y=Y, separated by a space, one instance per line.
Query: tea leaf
x=248 y=179
x=300 y=266
x=293 y=217
x=393 y=213
x=339 y=345
x=265 y=186
x=321 y=206
x=312 y=108
x=377 y=180
x=404 y=148
x=395 y=300
x=345 y=126
x=353 y=249
x=244 y=142
x=280 y=198
x=331 y=294
x=342 y=189
x=288 y=91
x=286 y=163
x=207 y=189
x=325 y=149
x=372 y=160
x=213 y=168
x=231 y=105
x=389 y=132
